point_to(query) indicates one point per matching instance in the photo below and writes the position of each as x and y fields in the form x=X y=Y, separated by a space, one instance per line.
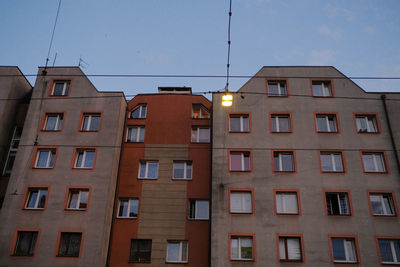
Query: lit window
x=198 y=209
x=140 y=251
x=148 y=170
x=182 y=170
x=135 y=134
x=344 y=250
x=242 y=248
x=283 y=161
x=373 y=162
x=239 y=123
x=84 y=158
x=239 y=161
x=286 y=203
x=60 y=88
x=290 y=249
x=177 y=251
x=331 y=162
x=53 y=122
x=200 y=135
x=321 y=88
x=36 y=198
x=12 y=152
x=366 y=124
x=241 y=202
x=45 y=158
x=280 y=123
x=326 y=123
x=200 y=112
x=128 y=208
x=382 y=204
x=25 y=243
x=78 y=199
x=70 y=244
x=277 y=88
x=139 y=112
x=91 y=122
x=337 y=203
x=389 y=250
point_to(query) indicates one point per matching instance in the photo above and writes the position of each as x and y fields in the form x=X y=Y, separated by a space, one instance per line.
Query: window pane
x=153 y=170
x=284 y=124
x=376 y=204
x=73 y=200
x=241 y=202
x=184 y=251
x=317 y=89
x=338 y=250
x=89 y=160
x=42 y=160
x=123 y=208
x=51 y=123
x=132 y=134
x=379 y=163
x=234 y=124
x=371 y=124
x=368 y=162
x=236 y=161
x=332 y=124
x=246 y=161
x=141 y=135
x=42 y=198
x=84 y=199
x=246 y=126
x=188 y=170
x=58 y=88
x=85 y=123
x=294 y=250
x=173 y=251
x=142 y=170
x=385 y=250
x=133 y=211
x=246 y=247
x=291 y=203
x=287 y=162
x=282 y=249
x=202 y=209
x=95 y=123
x=322 y=124
x=179 y=168
x=25 y=244
x=387 y=202
x=234 y=248
x=326 y=162
x=204 y=136
x=273 y=89
x=135 y=114
x=33 y=195
x=338 y=162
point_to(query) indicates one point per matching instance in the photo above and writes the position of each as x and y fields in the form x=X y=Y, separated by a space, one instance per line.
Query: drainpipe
x=210 y=183
x=383 y=97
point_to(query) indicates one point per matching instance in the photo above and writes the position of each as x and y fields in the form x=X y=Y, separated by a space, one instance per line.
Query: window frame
x=241 y=115
x=140 y=106
x=147 y=169
x=297 y=192
x=181 y=242
x=91 y=114
x=243 y=191
x=280 y=114
x=279 y=80
x=50 y=113
x=36 y=157
x=196 y=218
x=345 y=237
x=140 y=129
x=290 y=236
x=327 y=151
x=350 y=207
x=384 y=160
x=14 y=242
x=60 y=233
x=186 y=163
x=388 y=238
x=201 y=109
x=242 y=235
x=383 y=192
x=196 y=128
x=27 y=194
x=129 y=205
x=327 y=114
x=59 y=80
x=293 y=152
x=242 y=160
x=366 y=115
x=80 y=189
x=131 y=260
x=323 y=81
x=77 y=150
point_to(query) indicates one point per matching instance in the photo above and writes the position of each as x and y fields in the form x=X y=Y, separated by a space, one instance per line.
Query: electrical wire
x=229 y=46
x=52 y=35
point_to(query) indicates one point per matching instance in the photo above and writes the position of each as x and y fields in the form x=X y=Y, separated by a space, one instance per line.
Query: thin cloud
x=335 y=34
x=322 y=57
x=335 y=12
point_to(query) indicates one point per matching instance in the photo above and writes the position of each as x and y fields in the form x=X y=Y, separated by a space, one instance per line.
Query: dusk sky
x=184 y=37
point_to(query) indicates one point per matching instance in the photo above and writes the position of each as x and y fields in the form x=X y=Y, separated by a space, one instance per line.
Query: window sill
x=146 y=178
x=34 y=209
x=194 y=219
x=82 y=169
x=245 y=260
x=75 y=210
x=176 y=262
x=181 y=179
x=327 y=132
x=88 y=131
x=129 y=218
x=345 y=262
x=43 y=168
x=385 y=215
x=50 y=131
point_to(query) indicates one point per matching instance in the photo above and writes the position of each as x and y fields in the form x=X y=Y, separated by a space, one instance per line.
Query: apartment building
x=161 y=214
x=305 y=170
x=59 y=202
x=15 y=92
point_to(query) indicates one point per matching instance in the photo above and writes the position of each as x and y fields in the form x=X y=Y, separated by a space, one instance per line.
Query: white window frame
x=392 y=249
x=348 y=242
x=129 y=138
x=275 y=121
x=90 y=117
x=129 y=208
x=12 y=150
x=242 y=159
x=287 y=257
x=48 y=160
x=328 y=127
x=280 y=167
x=39 y=190
x=202 y=111
x=180 y=256
x=239 y=252
x=185 y=167
x=147 y=163
x=241 y=123
x=346 y=194
x=66 y=83
x=197 y=130
x=367 y=118
x=326 y=88
x=282 y=195
x=141 y=115
x=78 y=202
x=243 y=201
x=58 y=124
x=381 y=200
x=196 y=216
x=84 y=151
x=332 y=161
x=280 y=85
x=375 y=156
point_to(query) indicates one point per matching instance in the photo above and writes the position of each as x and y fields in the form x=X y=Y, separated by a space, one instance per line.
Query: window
x=326 y=123
x=280 y=123
x=200 y=135
x=373 y=162
x=389 y=251
x=287 y=202
x=53 y=121
x=70 y=244
x=239 y=123
x=25 y=243
x=139 y=112
x=239 y=161
x=290 y=249
x=12 y=152
x=128 y=208
x=78 y=199
x=182 y=170
x=45 y=158
x=284 y=161
x=140 y=251
x=344 y=250
x=60 y=88
x=200 y=112
x=177 y=251
x=277 y=88
x=36 y=198
x=198 y=209
x=382 y=204
x=135 y=134
x=85 y=158
x=331 y=162
x=322 y=89
x=337 y=203
x=242 y=248
x=148 y=170
x=91 y=122
x=366 y=124
x=241 y=201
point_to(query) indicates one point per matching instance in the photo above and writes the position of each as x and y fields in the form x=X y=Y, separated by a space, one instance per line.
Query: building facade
x=161 y=211
x=305 y=170
x=58 y=205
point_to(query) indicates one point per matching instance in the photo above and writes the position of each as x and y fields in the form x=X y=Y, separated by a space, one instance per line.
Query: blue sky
x=359 y=37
